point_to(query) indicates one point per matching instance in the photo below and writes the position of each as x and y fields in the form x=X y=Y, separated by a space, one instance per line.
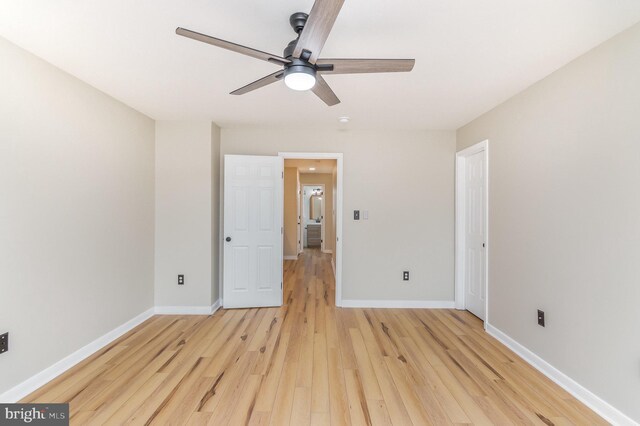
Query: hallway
x=310 y=363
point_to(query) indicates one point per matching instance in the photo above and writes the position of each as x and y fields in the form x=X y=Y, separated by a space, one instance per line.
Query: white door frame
x=300 y=247
x=322 y=221
x=461 y=157
x=338 y=206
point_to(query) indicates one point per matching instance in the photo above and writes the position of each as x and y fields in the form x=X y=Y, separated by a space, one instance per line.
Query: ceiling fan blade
x=324 y=92
x=275 y=59
x=358 y=66
x=317 y=28
x=264 y=81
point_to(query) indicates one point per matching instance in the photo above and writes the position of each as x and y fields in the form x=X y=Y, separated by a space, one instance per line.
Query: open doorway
x=312 y=209
x=313 y=225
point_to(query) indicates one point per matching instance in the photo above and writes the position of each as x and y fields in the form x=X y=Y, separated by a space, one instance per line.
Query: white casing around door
x=474 y=229
x=299 y=211
x=253 y=210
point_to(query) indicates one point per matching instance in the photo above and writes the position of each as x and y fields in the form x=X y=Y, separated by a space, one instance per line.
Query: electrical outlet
x=405 y=276
x=4 y=342
x=540 y=318
x=180 y=279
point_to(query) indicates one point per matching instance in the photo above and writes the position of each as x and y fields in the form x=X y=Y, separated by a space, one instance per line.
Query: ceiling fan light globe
x=300 y=81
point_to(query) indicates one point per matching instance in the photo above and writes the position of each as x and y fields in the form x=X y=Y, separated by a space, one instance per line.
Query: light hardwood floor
x=311 y=363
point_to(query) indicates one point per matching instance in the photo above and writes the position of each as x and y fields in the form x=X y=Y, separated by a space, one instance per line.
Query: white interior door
x=253 y=210
x=474 y=228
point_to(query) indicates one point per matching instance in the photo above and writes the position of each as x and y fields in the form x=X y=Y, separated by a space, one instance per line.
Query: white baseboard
x=291 y=258
x=45 y=376
x=188 y=310
x=597 y=404
x=413 y=304
x=327 y=251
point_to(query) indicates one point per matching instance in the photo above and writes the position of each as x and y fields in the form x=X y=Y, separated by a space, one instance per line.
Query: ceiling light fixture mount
x=344 y=119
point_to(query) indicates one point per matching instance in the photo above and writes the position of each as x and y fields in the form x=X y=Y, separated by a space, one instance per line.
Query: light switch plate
x=365 y=214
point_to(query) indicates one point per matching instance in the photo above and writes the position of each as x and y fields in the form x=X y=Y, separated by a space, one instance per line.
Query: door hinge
x=282 y=175
x=280 y=285
x=281 y=230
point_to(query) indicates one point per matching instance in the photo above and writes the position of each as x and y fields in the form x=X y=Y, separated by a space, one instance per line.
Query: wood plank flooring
x=309 y=363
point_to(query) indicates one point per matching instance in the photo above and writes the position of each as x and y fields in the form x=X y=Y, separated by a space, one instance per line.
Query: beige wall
x=185 y=218
x=329 y=222
x=383 y=172
x=290 y=211
x=76 y=214
x=564 y=221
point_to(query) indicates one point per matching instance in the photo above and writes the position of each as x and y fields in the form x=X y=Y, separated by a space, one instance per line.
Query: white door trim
x=460 y=212
x=338 y=206
x=300 y=247
x=322 y=221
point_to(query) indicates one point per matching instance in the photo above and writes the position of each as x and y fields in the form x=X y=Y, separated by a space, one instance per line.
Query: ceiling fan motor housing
x=297 y=65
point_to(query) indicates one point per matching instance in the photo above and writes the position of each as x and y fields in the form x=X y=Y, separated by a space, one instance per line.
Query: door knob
x=228 y=239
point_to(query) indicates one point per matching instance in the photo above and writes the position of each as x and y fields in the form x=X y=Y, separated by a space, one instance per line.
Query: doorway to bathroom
x=312 y=223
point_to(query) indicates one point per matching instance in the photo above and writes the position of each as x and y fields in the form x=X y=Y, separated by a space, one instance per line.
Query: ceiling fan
x=302 y=68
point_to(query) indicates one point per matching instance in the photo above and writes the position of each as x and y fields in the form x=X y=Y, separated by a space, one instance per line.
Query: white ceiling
x=470 y=54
